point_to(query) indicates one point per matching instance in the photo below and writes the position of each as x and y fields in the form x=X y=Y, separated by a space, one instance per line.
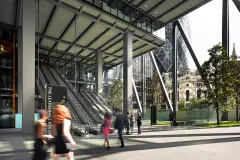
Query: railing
x=95 y=117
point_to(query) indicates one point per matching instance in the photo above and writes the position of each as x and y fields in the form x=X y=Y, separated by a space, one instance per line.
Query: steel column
x=127 y=70
x=143 y=82
x=225 y=25
x=99 y=72
x=237 y=4
x=174 y=69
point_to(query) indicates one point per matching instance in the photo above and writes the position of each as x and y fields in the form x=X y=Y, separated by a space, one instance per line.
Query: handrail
x=51 y=80
x=90 y=111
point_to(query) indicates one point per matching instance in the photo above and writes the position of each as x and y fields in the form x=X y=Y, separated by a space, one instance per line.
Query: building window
x=199 y=84
x=187 y=95
x=199 y=93
x=178 y=96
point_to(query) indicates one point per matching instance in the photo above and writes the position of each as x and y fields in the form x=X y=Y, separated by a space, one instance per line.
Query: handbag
x=105 y=124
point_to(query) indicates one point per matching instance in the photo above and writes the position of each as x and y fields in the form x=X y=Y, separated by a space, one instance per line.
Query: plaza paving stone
x=155 y=143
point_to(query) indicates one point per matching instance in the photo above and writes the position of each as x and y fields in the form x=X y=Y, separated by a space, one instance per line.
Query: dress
x=106 y=129
x=60 y=141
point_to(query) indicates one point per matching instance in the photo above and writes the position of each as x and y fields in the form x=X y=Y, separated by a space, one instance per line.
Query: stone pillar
x=26 y=64
x=99 y=72
x=127 y=71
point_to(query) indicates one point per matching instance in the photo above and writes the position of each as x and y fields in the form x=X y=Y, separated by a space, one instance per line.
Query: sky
x=206 y=29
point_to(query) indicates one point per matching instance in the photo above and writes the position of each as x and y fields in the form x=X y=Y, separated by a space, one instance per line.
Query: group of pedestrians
x=120 y=123
x=61 y=140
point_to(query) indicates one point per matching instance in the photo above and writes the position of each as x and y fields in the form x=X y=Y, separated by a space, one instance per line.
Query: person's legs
x=121 y=138
x=127 y=129
x=107 y=140
x=56 y=156
x=139 y=129
x=104 y=143
x=132 y=130
x=70 y=155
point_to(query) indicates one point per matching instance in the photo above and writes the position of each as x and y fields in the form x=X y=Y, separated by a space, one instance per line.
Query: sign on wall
x=54 y=95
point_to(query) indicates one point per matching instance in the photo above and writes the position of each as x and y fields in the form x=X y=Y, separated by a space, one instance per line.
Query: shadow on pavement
x=98 y=152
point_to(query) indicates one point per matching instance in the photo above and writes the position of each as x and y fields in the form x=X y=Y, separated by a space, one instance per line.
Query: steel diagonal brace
x=161 y=81
x=193 y=55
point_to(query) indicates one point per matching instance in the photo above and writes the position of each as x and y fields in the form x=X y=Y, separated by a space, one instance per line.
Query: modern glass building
x=74 y=43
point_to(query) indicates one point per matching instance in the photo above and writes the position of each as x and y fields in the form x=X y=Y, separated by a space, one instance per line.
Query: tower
x=234 y=54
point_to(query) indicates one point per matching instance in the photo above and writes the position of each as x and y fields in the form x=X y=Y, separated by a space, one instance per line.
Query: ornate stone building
x=190 y=85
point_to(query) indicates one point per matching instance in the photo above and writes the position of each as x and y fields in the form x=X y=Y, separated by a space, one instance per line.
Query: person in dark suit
x=127 y=119
x=119 y=125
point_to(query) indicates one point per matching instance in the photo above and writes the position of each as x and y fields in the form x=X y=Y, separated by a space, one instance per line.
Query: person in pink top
x=106 y=126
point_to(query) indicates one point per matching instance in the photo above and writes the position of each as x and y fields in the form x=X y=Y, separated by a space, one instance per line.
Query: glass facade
x=165 y=53
x=127 y=13
x=7 y=100
x=143 y=70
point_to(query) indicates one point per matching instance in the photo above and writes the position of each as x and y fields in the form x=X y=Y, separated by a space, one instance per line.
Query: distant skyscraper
x=165 y=53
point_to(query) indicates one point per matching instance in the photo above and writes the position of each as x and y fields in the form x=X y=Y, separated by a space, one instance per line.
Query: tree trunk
x=237 y=114
x=217 y=111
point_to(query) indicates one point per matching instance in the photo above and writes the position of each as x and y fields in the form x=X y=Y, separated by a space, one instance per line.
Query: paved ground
x=154 y=144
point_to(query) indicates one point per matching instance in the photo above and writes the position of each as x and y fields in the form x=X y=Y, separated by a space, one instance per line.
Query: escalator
x=88 y=95
x=92 y=110
x=100 y=101
x=79 y=126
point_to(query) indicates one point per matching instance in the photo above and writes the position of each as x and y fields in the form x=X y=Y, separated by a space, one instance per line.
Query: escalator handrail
x=102 y=102
x=89 y=110
x=70 y=102
x=85 y=96
x=51 y=80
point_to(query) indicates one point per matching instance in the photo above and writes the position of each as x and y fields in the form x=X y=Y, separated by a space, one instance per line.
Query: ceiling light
x=155 y=12
x=146 y=6
x=137 y=12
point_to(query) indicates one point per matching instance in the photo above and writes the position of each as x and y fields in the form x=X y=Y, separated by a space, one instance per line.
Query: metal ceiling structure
x=100 y=25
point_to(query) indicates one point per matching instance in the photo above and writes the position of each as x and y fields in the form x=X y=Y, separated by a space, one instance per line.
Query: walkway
x=154 y=144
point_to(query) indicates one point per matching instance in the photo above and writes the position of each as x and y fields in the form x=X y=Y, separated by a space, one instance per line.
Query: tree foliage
x=182 y=105
x=198 y=103
x=220 y=73
x=156 y=89
x=115 y=99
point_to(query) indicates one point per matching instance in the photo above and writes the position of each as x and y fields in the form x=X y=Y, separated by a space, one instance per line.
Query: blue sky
x=206 y=29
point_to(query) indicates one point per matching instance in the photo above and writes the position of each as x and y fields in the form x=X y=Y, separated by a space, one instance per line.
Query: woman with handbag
x=64 y=142
x=106 y=126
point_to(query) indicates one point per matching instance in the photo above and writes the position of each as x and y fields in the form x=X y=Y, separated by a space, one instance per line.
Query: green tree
x=182 y=105
x=222 y=79
x=156 y=90
x=115 y=99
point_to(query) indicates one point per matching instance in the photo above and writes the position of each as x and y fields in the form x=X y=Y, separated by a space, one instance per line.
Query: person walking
x=106 y=125
x=64 y=142
x=127 y=119
x=139 y=123
x=40 y=151
x=131 y=123
x=119 y=125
